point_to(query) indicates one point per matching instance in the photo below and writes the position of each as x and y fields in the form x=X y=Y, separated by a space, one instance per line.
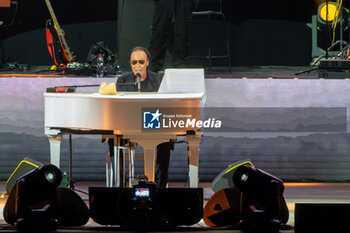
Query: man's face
x=139 y=63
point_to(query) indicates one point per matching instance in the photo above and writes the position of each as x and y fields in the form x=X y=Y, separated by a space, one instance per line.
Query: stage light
x=224 y=179
x=263 y=206
x=333 y=12
x=329 y=29
x=32 y=202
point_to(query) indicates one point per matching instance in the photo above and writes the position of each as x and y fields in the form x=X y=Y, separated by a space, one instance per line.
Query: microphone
x=138 y=80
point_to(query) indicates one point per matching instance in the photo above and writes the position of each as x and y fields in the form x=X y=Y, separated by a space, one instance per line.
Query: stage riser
x=297 y=156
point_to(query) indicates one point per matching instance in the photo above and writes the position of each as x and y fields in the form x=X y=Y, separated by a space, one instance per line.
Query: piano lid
x=183 y=81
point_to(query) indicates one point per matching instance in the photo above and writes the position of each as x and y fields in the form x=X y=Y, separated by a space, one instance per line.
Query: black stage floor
x=294 y=193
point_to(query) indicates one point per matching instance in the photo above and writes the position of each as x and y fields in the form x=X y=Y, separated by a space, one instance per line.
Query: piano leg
x=149 y=144
x=131 y=163
x=149 y=160
x=116 y=158
x=55 y=149
x=193 y=158
x=109 y=171
x=122 y=165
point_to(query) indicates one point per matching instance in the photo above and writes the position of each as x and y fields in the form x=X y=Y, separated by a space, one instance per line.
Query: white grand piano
x=122 y=114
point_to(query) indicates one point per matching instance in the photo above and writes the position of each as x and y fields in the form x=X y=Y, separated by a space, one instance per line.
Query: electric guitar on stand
x=67 y=55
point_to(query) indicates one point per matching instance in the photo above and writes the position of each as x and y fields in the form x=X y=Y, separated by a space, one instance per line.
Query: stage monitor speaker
x=104 y=204
x=71 y=208
x=224 y=179
x=25 y=166
x=181 y=206
x=321 y=217
x=224 y=208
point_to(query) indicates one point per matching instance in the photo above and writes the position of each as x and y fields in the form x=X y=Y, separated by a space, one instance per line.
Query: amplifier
x=334 y=64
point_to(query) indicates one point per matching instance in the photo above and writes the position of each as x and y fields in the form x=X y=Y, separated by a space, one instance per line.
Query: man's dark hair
x=139 y=48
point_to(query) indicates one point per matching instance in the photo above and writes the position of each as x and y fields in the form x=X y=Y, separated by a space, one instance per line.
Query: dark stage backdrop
x=268 y=32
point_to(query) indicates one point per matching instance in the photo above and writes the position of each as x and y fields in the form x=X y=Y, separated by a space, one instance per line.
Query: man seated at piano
x=147 y=81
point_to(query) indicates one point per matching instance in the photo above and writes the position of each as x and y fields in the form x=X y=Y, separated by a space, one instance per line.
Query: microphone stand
x=138 y=85
x=138 y=81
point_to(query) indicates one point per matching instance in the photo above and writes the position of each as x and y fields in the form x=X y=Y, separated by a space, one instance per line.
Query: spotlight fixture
x=263 y=207
x=224 y=179
x=333 y=12
x=32 y=202
x=329 y=29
